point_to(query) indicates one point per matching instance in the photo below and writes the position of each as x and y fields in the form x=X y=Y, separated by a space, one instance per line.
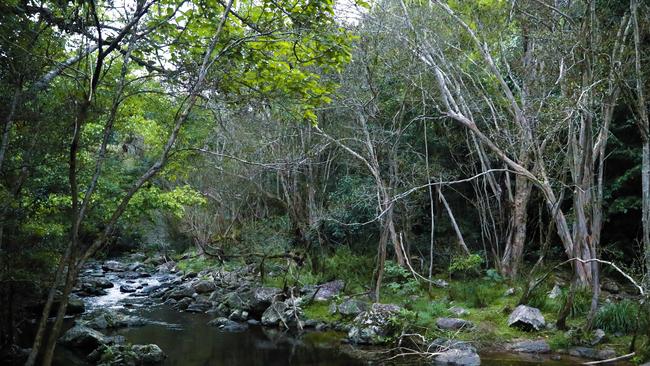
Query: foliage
x=355 y=269
x=476 y=294
x=624 y=317
x=465 y=264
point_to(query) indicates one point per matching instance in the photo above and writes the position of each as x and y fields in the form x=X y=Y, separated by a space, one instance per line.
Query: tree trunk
x=513 y=253
x=459 y=234
x=645 y=196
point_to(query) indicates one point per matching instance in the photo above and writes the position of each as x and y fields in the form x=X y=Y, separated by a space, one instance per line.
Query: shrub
x=475 y=294
x=620 y=317
x=355 y=270
x=465 y=264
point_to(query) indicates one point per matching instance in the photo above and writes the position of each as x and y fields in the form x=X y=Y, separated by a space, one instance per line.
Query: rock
x=263 y=297
x=323 y=292
x=203 y=286
x=84 y=338
x=352 y=307
x=373 y=326
x=75 y=305
x=199 y=307
x=555 y=292
x=138 y=257
x=167 y=267
x=127 y=355
x=586 y=352
x=598 y=336
x=180 y=292
x=332 y=308
x=530 y=346
x=113 y=266
x=228 y=325
x=458 y=311
x=610 y=286
x=183 y=304
x=275 y=314
x=440 y=283
x=149 y=354
x=457 y=357
x=526 y=318
x=111 y=319
x=239 y=315
x=509 y=292
x=453 y=323
x=443 y=344
x=126 y=288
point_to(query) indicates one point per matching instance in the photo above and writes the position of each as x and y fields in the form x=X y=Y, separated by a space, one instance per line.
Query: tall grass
x=624 y=317
x=476 y=294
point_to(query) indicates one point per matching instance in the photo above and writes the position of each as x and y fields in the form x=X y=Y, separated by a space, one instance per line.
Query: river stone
x=183 y=304
x=199 y=307
x=239 y=315
x=227 y=325
x=373 y=326
x=203 y=286
x=180 y=292
x=275 y=314
x=149 y=354
x=128 y=288
x=84 y=338
x=586 y=352
x=445 y=344
x=75 y=305
x=113 y=266
x=457 y=357
x=526 y=318
x=453 y=323
x=263 y=297
x=530 y=346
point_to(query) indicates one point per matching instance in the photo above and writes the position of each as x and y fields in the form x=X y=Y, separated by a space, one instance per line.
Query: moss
x=320 y=311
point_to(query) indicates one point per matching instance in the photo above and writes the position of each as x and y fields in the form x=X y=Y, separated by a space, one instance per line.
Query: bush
x=466 y=264
x=621 y=317
x=475 y=294
x=355 y=270
x=581 y=302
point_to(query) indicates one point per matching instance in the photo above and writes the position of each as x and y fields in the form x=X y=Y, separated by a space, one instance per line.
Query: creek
x=188 y=340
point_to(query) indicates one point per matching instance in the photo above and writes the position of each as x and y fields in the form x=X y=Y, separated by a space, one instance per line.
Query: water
x=189 y=341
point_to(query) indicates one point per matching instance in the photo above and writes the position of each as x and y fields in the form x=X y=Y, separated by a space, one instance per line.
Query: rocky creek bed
x=144 y=311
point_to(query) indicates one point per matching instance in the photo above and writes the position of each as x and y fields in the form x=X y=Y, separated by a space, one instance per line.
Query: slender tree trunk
x=645 y=199
x=459 y=234
x=513 y=253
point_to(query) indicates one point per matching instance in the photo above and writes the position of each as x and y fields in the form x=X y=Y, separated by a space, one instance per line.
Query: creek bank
x=235 y=300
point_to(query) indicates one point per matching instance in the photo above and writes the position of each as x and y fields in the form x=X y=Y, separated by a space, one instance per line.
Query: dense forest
x=435 y=155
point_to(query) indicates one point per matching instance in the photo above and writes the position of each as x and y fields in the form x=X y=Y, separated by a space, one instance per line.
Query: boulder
x=597 y=336
x=110 y=319
x=530 y=346
x=149 y=354
x=453 y=323
x=127 y=288
x=228 y=325
x=263 y=297
x=113 y=266
x=352 y=307
x=440 y=283
x=199 y=307
x=180 y=292
x=275 y=314
x=457 y=357
x=374 y=325
x=239 y=315
x=75 y=305
x=526 y=318
x=203 y=286
x=183 y=303
x=328 y=290
x=84 y=338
